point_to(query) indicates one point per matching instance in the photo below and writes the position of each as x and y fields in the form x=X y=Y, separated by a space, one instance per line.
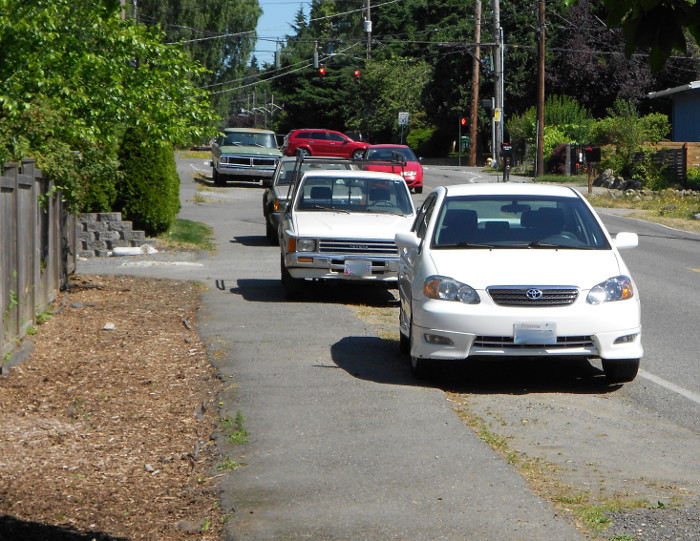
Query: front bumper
x=342 y=267
x=452 y=330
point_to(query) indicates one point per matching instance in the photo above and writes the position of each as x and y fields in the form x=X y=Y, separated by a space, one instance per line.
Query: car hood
x=369 y=226
x=538 y=266
x=244 y=149
x=410 y=166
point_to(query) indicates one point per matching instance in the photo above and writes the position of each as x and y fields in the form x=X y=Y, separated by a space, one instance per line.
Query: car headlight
x=409 y=174
x=447 y=289
x=306 y=245
x=618 y=288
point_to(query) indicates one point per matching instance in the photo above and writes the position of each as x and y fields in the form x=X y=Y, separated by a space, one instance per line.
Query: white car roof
x=509 y=188
x=349 y=173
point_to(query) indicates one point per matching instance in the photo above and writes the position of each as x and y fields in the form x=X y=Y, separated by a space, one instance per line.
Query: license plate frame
x=357 y=267
x=535 y=333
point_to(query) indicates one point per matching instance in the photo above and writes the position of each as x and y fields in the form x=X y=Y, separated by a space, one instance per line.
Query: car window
x=384 y=196
x=266 y=140
x=317 y=135
x=423 y=219
x=511 y=222
x=335 y=137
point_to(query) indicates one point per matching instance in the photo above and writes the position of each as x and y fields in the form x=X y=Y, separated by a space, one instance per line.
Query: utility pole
x=497 y=80
x=539 y=171
x=476 y=70
x=368 y=29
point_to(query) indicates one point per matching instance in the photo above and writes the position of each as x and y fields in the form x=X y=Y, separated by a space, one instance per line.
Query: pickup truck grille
x=533 y=296
x=249 y=161
x=362 y=247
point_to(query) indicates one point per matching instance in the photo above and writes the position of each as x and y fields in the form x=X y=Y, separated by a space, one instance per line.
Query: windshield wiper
x=539 y=244
x=321 y=207
x=466 y=245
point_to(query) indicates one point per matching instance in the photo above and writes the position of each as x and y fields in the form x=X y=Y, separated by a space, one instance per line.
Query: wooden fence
x=37 y=249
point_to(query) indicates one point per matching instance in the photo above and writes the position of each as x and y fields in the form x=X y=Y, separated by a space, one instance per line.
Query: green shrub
x=423 y=141
x=693 y=176
x=149 y=193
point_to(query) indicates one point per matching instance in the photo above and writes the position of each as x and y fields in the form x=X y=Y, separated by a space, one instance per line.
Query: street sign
x=403 y=119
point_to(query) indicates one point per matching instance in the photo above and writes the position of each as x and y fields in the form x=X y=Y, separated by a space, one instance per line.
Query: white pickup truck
x=340 y=225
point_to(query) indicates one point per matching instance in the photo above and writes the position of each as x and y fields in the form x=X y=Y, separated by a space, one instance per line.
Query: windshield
x=348 y=194
x=517 y=222
x=287 y=173
x=387 y=154
x=265 y=140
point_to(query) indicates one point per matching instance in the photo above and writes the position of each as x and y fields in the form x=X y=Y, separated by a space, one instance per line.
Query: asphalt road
x=344 y=444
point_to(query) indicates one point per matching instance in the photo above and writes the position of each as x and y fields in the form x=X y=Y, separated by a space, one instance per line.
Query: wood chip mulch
x=106 y=425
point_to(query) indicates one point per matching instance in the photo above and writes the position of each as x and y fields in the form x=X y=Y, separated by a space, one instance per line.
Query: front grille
x=249 y=161
x=533 y=295
x=358 y=247
x=563 y=342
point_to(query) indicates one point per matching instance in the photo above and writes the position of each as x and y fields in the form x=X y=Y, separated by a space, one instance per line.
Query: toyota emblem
x=534 y=294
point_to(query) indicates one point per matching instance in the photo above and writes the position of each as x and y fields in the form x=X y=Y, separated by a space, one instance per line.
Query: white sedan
x=516 y=270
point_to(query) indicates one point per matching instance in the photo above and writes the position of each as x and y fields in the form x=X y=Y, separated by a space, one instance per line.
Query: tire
x=404 y=344
x=219 y=180
x=620 y=370
x=419 y=189
x=293 y=287
x=357 y=154
x=420 y=368
x=302 y=152
x=404 y=341
x=271 y=232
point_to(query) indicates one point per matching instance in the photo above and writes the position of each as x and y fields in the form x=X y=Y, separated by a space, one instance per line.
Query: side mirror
x=626 y=240
x=407 y=239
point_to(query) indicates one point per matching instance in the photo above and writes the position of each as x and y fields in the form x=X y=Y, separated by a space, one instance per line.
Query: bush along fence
x=38 y=244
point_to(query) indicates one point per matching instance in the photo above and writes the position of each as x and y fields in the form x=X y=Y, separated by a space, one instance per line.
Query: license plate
x=531 y=332
x=358 y=267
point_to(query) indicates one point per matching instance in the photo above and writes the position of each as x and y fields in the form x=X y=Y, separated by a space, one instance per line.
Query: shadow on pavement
x=378 y=360
x=266 y=290
x=13 y=529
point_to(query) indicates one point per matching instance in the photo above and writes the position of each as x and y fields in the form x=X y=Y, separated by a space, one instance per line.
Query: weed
x=227 y=464
x=237 y=433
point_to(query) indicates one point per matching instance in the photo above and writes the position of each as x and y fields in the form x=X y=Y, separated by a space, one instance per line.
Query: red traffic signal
x=322 y=71
x=463 y=121
x=356 y=74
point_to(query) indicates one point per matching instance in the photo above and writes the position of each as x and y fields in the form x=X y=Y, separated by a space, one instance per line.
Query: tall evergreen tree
x=219 y=34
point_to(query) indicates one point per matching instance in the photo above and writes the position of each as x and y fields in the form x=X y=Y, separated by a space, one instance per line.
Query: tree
x=622 y=134
x=588 y=61
x=657 y=25
x=220 y=37
x=149 y=190
x=373 y=106
x=74 y=76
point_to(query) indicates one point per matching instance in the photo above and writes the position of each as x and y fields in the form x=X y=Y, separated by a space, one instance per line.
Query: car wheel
x=218 y=178
x=404 y=340
x=620 y=370
x=418 y=189
x=420 y=368
x=302 y=152
x=357 y=154
x=271 y=233
x=293 y=287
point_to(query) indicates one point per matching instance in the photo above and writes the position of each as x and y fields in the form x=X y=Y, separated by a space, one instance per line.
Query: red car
x=322 y=143
x=411 y=170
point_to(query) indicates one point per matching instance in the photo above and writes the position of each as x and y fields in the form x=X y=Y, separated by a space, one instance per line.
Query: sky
x=275 y=23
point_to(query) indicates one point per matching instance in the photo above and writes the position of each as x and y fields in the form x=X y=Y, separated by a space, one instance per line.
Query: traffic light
x=322 y=71
x=356 y=74
x=463 y=121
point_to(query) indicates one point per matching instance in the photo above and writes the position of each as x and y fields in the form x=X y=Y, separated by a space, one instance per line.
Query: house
x=685 y=112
